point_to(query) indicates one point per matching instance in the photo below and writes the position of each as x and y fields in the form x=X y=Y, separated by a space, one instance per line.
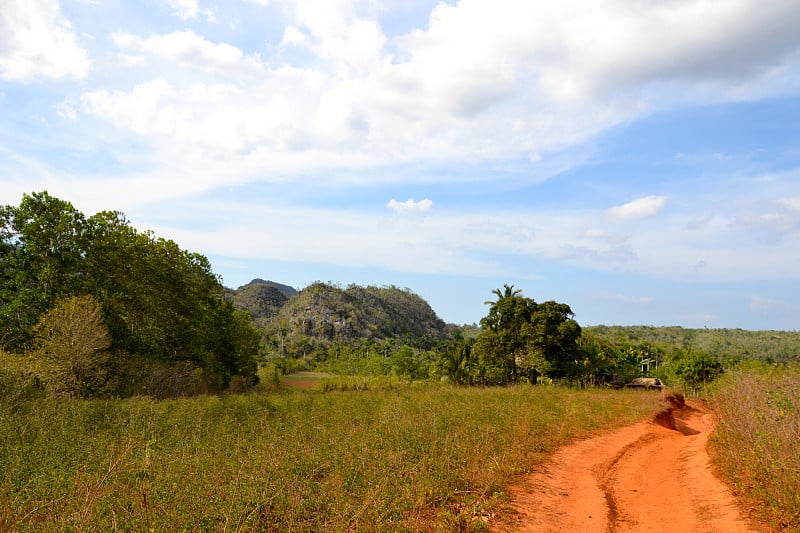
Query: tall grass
x=757 y=442
x=410 y=459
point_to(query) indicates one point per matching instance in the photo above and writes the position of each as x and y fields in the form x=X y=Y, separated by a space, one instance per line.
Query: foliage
x=414 y=458
x=727 y=345
x=601 y=362
x=757 y=441
x=162 y=305
x=457 y=362
x=262 y=299
x=696 y=369
x=42 y=243
x=73 y=339
x=522 y=338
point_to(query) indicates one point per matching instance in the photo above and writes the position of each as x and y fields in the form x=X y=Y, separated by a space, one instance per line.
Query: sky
x=637 y=160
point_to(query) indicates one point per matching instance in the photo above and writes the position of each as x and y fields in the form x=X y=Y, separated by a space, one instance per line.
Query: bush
x=19 y=379
x=72 y=339
x=757 y=441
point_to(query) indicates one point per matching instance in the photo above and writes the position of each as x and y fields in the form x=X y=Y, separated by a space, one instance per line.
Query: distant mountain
x=323 y=314
x=285 y=289
x=263 y=299
x=328 y=312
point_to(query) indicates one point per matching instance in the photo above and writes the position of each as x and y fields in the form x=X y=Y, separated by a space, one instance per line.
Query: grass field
x=304 y=380
x=757 y=442
x=429 y=458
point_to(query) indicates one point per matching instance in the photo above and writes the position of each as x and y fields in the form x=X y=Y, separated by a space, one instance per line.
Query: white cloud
x=37 y=41
x=188 y=48
x=189 y=9
x=293 y=36
x=410 y=205
x=480 y=81
x=138 y=110
x=645 y=207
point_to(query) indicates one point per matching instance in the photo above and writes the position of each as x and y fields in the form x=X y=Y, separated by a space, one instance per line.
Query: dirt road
x=654 y=476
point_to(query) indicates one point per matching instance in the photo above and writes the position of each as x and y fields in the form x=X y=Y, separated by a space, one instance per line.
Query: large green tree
x=161 y=304
x=42 y=244
x=523 y=338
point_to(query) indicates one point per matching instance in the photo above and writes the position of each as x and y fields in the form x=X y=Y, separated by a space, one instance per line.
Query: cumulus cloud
x=479 y=81
x=37 y=41
x=410 y=205
x=137 y=110
x=640 y=208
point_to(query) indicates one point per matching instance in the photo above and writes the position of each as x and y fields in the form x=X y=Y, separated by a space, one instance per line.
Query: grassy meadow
x=413 y=458
x=757 y=442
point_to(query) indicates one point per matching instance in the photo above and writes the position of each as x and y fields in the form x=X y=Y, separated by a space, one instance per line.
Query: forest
x=92 y=307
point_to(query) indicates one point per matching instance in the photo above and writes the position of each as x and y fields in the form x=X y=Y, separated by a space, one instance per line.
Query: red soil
x=653 y=476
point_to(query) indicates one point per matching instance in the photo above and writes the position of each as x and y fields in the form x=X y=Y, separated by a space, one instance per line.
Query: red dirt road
x=653 y=476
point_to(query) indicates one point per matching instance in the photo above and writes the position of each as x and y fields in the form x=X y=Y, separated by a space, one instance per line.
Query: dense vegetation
x=414 y=458
x=757 y=442
x=97 y=308
x=729 y=346
x=392 y=331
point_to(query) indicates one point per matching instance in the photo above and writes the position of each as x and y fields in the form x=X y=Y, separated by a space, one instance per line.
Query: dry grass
x=757 y=443
x=413 y=459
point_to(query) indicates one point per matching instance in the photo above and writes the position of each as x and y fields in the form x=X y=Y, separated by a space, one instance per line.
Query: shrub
x=757 y=441
x=72 y=339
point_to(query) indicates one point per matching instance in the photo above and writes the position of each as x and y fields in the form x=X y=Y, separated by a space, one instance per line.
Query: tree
x=555 y=335
x=523 y=338
x=73 y=339
x=162 y=305
x=697 y=369
x=503 y=338
x=456 y=362
x=42 y=242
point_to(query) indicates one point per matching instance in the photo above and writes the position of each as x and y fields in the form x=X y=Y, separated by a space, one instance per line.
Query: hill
x=263 y=299
x=322 y=315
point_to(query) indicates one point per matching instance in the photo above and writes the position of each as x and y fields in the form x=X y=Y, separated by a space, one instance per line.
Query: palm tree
x=509 y=292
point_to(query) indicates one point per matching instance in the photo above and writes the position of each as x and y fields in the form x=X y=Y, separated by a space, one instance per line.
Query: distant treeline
x=728 y=345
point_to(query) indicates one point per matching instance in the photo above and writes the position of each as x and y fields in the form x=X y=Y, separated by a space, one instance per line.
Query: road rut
x=649 y=477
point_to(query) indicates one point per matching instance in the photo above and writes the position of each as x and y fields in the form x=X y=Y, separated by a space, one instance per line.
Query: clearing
x=652 y=476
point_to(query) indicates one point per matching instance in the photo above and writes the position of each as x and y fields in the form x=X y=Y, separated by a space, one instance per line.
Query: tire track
x=650 y=477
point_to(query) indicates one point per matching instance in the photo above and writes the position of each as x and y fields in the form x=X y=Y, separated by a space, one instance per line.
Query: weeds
x=757 y=442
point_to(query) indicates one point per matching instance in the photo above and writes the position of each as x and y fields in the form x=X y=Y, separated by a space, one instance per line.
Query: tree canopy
x=161 y=304
x=525 y=339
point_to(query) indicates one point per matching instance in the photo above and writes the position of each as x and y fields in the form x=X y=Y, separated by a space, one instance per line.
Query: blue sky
x=639 y=161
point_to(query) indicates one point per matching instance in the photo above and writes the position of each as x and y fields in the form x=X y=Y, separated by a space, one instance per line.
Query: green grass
x=416 y=458
x=757 y=442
